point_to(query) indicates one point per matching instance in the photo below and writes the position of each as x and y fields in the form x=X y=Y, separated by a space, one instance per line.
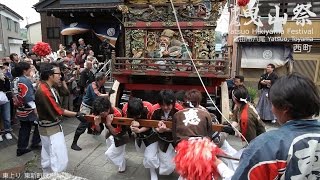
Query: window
x=68 y=39
x=9 y=24
x=16 y=27
x=53 y=32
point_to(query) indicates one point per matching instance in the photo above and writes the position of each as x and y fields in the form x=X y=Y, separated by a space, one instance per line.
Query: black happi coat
x=165 y=138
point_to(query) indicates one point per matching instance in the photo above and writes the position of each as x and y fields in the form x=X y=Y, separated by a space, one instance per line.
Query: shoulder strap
x=15 y=85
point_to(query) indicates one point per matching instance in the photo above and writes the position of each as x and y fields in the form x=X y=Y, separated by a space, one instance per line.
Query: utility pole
x=27 y=18
x=28 y=32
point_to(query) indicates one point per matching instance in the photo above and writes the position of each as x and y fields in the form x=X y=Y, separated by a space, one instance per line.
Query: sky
x=24 y=9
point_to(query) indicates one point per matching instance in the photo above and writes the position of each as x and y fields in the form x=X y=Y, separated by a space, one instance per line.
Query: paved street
x=89 y=163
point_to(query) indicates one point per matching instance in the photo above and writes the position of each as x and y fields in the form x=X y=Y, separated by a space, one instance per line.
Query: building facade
x=281 y=32
x=34 y=34
x=10 y=40
x=59 y=14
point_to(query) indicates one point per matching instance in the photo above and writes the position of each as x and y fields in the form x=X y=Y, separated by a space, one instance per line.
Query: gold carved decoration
x=146 y=43
x=204 y=10
x=204 y=44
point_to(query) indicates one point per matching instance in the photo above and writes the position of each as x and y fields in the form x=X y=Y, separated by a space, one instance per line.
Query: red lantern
x=242 y=2
x=41 y=49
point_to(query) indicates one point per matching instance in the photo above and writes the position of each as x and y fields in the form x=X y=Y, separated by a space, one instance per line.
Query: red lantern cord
x=242 y=3
x=195 y=159
x=41 y=49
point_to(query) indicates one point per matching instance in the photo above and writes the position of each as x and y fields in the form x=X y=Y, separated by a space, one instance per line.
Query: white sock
x=122 y=167
x=153 y=174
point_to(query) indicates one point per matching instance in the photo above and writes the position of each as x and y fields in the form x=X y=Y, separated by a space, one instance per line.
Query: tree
x=23 y=34
x=218 y=37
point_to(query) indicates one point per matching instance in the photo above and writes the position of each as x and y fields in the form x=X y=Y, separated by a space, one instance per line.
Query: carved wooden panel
x=146 y=43
x=199 y=10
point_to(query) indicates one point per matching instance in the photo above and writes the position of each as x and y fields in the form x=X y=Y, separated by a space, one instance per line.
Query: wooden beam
x=306 y=57
x=159 y=87
x=114 y=97
x=145 y=122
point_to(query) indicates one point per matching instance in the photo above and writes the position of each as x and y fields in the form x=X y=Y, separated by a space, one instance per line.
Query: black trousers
x=84 y=125
x=24 y=135
x=81 y=128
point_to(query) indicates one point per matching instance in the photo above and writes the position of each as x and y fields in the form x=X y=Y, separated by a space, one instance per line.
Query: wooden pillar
x=224 y=100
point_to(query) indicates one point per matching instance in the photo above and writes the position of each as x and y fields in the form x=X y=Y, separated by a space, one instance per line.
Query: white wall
x=15 y=45
x=34 y=33
x=15 y=48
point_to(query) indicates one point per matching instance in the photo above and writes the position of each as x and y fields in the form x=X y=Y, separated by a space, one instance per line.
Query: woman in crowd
x=5 y=107
x=27 y=112
x=61 y=52
x=81 y=58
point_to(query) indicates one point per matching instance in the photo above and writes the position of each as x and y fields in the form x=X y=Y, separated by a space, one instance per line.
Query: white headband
x=244 y=100
x=241 y=99
x=190 y=104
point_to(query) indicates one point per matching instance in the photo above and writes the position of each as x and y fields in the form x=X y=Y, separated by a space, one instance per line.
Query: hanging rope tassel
x=195 y=159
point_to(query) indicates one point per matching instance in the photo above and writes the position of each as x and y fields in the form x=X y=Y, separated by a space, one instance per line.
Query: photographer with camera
x=86 y=76
x=68 y=80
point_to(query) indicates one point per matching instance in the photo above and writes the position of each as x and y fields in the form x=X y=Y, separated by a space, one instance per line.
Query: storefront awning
x=15 y=41
x=259 y=56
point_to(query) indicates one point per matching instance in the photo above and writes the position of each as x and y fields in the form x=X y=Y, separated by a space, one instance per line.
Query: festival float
x=170 y=45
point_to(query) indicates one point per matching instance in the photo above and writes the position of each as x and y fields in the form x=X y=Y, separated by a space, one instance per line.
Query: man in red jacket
x=146 y=139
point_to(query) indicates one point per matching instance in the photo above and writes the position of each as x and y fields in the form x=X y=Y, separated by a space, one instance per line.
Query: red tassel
x=41 y=49
x=242 y=2
x=195 y=157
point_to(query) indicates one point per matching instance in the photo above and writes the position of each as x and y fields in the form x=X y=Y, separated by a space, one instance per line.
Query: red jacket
x=146 y=104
